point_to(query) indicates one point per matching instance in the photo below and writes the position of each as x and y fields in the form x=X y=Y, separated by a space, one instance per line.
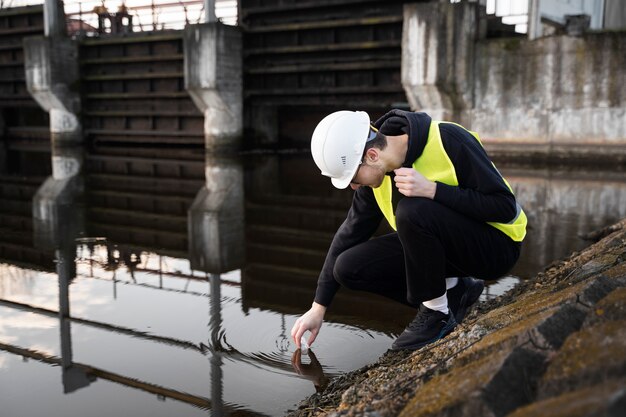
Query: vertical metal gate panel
x=133 y=90
x=27 y=125
x=323 y=53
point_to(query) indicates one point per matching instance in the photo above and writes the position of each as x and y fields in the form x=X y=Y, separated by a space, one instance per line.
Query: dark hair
x=380 y=142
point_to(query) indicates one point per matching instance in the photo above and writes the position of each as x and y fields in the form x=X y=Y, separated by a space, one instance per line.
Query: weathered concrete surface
x=552 y=92
x=554 y=345
x=213 y=78
x=215 y=220
x=57 y=205
x=604 y=400
x=54 y=18
x=550 y=97
x=588 y=357
x=52 y=75
x=438 y=57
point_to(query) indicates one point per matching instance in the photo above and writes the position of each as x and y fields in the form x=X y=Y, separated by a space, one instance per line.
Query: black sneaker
x=427 y=327
x=463 y=295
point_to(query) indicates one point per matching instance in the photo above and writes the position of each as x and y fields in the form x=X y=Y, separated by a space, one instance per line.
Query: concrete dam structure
x=269 y=79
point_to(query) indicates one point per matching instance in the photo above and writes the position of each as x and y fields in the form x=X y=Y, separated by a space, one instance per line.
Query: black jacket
x=481 y=193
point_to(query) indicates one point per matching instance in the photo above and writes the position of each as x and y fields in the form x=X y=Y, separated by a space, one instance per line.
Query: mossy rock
x=588 y=357
x=611 y=307
x=607 y=399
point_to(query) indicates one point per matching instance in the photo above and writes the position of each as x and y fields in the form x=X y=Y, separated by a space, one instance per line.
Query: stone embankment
x=553 y=346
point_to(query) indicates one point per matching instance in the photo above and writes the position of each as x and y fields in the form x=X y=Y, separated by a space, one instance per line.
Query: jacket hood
x=415 y=124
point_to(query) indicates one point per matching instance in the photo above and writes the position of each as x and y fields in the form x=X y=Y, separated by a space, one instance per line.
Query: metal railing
x=97 y=17
x=512 y=12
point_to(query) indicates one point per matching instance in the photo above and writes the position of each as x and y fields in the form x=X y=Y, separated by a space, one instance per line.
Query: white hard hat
x=337 y=145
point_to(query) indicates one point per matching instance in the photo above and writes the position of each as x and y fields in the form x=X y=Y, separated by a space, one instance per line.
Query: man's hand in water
x=311 y=321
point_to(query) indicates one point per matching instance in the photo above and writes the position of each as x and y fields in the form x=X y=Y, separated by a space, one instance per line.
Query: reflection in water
x=160 y=286
x=216 y=218
x=312 y=371
x=562 y=206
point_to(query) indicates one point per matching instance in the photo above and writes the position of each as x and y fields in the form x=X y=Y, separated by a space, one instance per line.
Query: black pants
x=432 y=242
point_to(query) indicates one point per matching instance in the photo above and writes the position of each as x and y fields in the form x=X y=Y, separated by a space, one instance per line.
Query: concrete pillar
x=54 y=19
x=438 y=44
x=614 y=14
x=58 y=214
x=209 y=11
x=216 y=218
x=213 y=78
x=52 y=76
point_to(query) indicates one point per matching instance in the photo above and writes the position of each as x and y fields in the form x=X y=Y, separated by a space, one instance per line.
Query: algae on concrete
x=549 y=344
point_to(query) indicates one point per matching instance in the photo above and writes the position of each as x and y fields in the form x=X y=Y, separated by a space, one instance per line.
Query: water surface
x=119 y=313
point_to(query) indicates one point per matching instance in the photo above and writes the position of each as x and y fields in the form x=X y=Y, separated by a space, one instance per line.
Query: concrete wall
x=555 y=89
x=558 y=95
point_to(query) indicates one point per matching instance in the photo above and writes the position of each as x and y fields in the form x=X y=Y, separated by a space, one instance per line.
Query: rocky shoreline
x=554 y=345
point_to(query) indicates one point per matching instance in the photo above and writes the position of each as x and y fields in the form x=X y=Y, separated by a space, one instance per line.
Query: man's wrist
x=433 y=190
x=318 y=307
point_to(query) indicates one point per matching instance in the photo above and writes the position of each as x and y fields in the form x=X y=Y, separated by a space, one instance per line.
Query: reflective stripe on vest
x=435 y=164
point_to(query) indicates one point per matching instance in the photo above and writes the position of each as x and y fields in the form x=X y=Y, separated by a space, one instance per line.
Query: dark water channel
x=117 y=314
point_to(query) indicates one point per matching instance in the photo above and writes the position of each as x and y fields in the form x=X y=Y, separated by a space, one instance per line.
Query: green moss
x=584 y=402
x=529 y=305
x=595 y=349
x=611 y=307
x=617 y=271
x=506 y=338
x=511 y=44
x=446 y=391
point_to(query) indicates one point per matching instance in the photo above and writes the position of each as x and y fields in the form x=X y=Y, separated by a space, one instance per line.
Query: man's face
x=370 y=174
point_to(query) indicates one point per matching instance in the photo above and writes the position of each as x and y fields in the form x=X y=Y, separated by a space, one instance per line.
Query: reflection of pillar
x=216 y=218
x=213 y=78
x=215 y=324
x=73 y=378
x=57 y=221
x=216 y=245
x=56 y=205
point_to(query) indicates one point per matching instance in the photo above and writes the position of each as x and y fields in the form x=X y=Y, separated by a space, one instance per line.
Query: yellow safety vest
x=435 y=164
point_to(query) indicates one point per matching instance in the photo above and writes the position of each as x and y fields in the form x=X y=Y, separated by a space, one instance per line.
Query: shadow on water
x=170 y=281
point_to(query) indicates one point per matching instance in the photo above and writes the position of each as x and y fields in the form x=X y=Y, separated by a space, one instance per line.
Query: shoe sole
x=469 y=298
x=444 y=332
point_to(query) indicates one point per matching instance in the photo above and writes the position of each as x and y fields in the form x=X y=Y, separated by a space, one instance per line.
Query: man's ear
x=372 y=154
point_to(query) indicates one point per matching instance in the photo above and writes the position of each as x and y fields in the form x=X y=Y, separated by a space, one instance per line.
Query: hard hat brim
x=343 y=183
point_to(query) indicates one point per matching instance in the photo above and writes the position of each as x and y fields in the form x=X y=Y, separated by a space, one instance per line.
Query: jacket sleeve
x=362 y=221
x=482 y=193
